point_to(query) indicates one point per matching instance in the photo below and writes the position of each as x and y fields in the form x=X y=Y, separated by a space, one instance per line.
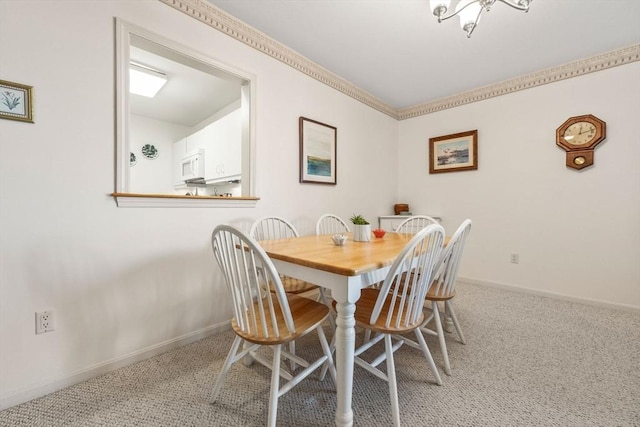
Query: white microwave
x=192 y=166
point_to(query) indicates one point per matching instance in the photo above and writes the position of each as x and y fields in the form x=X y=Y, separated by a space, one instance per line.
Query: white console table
x=391 y=222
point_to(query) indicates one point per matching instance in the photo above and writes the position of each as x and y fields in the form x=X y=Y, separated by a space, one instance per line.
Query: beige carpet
x=529 y=361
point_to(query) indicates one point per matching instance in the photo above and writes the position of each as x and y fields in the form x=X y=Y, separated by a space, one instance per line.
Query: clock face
x=580 y=133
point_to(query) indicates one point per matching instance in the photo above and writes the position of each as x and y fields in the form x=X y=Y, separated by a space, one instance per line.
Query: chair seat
x=364 y=308
x=440 y=296
x=433 y=294
x=296 y=286
x=307 y=312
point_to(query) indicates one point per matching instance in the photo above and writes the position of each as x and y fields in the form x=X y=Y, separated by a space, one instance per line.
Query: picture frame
x=454 y=153
x=16 y=101
x=318 y=152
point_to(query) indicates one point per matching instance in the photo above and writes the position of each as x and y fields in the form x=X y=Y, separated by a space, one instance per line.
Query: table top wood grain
x=351 y=259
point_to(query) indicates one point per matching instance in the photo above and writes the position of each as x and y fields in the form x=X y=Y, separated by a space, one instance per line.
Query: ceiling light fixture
x=145 y=81
x=469 y=11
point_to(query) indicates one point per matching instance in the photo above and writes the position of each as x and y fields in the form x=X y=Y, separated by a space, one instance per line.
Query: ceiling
x=194 y=92
x=396 y=51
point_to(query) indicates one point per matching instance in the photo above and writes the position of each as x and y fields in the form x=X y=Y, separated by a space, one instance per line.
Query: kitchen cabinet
x=179 y=151
x=223 y=155
x=222 y=144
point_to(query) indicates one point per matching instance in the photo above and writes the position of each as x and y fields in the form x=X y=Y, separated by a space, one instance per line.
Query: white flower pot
x=362 y=233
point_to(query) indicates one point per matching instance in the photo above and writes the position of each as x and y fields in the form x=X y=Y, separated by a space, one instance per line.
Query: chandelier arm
x=475 y=23
x=444 y=18
x=515 y=6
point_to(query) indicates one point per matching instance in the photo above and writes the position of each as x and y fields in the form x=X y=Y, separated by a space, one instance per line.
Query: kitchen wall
x=125 y=283
x=154 y=175
x=577 y=232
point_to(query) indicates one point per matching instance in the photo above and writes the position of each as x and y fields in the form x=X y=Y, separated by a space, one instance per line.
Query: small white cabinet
x=391 y=222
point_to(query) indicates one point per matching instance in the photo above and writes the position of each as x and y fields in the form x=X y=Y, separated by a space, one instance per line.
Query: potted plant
x=361 y=229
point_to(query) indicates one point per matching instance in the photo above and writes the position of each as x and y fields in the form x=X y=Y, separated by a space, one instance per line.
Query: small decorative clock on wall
x=579 y=136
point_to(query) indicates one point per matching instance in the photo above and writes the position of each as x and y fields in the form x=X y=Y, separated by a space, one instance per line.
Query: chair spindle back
x=248 y=271
x=404 y=294
x=449 y=263
x=331 y=224
x=415 y=223
x=272 y=228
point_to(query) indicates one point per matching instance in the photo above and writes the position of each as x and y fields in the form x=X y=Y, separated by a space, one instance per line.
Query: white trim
x=148 y=201
x=235 y=28
x=550 y=75
x=554 y=295
x=84 y=374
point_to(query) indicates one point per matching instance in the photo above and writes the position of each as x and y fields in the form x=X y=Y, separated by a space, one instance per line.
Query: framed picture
x=15 y=101
x=317 y=152
x=453 y=153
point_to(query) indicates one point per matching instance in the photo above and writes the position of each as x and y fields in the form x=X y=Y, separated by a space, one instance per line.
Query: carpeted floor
x=529 y=361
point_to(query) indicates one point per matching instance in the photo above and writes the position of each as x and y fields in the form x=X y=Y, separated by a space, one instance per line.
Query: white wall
x=153 y=175
x=125 y=281
x=577 y=233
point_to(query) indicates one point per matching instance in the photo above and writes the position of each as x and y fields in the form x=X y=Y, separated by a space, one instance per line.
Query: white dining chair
x=264 y=317
x=415 y=223
x=331 y=224
x=272 y=228
x=411 y=225
x=397 y=308
x=443 y=290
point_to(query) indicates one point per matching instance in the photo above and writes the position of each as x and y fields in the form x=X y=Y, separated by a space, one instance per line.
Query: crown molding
x=235 y=28
x=550 y=75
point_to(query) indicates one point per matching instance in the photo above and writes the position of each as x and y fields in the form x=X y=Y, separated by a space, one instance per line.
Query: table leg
x=345 y=346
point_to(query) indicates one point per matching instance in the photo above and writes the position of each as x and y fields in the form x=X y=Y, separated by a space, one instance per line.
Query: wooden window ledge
x=137 y=200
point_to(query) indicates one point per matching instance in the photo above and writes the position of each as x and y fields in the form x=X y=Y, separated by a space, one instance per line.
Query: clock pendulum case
x=579 y=136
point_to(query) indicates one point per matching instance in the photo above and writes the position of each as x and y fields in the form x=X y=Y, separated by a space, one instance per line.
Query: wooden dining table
x=345 y=270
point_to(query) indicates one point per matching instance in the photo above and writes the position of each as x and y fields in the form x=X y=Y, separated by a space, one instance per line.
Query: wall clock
x=579 y=136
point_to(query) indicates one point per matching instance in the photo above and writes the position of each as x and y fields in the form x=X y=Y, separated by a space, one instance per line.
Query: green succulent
x=358 y=220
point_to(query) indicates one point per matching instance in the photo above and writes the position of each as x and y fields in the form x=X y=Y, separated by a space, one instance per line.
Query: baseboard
x=108 y=366
x=554 y=295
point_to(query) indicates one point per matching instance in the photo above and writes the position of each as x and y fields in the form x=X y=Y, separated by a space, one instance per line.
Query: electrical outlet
x=44 y=322
x=515 y=258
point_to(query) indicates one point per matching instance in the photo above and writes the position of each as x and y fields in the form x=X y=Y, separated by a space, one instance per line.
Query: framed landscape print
x=317 y=152
x=15 y=101
x=453 y=153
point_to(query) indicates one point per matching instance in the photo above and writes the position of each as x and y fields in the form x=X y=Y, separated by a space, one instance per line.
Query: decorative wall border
x=233 y=27
x=550 y=75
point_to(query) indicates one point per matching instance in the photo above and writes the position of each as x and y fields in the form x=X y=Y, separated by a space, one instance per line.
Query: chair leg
x=292 y=350
x=327 y=350
x=332 y=348
x=440 y=331
x=275 y=386
x=248 y=359
x=323 y=299
x=225 y=368
x=391 y=378
x=367 y=335
x=427 y=355
x=452 y=313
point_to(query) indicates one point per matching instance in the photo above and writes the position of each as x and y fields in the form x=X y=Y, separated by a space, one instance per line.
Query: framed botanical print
x=15 y=101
